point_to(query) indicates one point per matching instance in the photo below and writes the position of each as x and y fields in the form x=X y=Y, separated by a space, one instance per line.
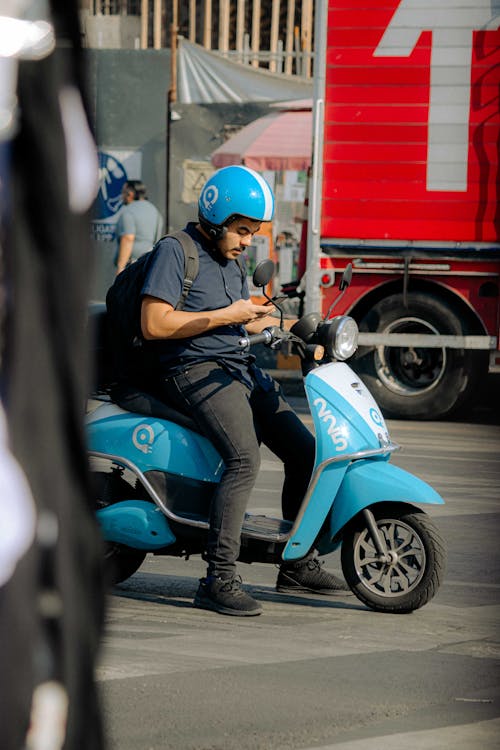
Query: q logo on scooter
x=376 y=418
x=143 y=438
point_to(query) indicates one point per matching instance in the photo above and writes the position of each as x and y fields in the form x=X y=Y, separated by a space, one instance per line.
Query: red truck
x=404 y=185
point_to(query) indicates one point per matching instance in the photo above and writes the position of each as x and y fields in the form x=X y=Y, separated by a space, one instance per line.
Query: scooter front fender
x=368 y=482
x=136 y=523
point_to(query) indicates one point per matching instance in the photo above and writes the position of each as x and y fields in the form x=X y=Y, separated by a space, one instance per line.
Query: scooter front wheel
x=410 y=572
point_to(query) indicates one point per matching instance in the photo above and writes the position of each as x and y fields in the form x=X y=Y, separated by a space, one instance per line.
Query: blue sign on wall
x=112 y=176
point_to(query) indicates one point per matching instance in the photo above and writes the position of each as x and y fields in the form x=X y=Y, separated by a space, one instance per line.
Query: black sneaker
x=307 y=575
x=226 y=597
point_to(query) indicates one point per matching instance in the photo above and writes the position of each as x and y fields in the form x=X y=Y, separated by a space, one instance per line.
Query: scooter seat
x=140 y=402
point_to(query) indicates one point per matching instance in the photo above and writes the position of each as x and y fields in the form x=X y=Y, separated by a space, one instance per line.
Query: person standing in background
x=139 y=226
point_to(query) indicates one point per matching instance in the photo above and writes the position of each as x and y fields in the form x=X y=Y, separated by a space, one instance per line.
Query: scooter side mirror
x=346 y=277
x=344 y=283
x=264 y=272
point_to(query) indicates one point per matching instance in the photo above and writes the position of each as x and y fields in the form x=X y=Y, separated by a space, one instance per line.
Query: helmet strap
x=214 y=231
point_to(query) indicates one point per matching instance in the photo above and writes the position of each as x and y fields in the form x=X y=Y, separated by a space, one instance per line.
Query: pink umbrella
x=278 y=141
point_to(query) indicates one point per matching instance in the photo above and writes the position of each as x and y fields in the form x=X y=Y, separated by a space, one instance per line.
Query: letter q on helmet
x=234 y=191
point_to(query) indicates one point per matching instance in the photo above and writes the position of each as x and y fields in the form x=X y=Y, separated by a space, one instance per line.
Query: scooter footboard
x=368 y=482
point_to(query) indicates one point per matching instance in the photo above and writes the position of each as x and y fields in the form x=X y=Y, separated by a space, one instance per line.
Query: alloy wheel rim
x=406 y=565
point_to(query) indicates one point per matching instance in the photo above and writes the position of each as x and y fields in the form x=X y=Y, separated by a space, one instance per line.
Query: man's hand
x=245 y=311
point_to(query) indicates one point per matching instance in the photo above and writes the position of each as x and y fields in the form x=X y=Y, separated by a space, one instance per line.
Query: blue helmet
x=234 y=191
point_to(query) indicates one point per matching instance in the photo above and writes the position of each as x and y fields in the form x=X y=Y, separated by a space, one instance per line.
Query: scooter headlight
x=340 y=337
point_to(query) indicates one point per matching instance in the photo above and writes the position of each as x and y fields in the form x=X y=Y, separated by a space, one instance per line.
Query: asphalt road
x=323 y=672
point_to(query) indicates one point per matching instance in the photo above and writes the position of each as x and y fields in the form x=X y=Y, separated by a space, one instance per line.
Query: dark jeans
x=236 y=420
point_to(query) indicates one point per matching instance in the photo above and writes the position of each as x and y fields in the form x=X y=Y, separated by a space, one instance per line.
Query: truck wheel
x=414 y=382
x=120 y=561
x=412 y=575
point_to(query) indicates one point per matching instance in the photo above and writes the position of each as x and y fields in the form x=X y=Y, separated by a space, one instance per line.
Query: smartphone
x=276 y=300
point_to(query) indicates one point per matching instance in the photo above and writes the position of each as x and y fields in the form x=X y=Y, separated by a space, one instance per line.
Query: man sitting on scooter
x=204 y=373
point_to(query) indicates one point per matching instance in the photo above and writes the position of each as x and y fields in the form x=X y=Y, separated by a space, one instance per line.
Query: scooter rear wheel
x=120 y=561
x=412 y=575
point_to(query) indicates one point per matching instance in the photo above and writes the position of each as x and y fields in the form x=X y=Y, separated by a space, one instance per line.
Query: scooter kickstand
x=378 y=538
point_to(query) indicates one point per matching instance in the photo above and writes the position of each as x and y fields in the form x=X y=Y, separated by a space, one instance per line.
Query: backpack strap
x=191 y=264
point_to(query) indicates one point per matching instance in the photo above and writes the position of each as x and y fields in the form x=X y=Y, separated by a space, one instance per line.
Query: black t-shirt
x=219 y=283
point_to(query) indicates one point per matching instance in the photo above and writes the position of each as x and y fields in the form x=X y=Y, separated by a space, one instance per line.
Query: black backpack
x=133 y=358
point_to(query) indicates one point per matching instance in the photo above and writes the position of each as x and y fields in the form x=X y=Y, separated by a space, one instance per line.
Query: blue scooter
x=154 y=476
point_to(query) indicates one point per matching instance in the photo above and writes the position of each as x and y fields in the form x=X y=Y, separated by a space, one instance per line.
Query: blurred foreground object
x=51 y=598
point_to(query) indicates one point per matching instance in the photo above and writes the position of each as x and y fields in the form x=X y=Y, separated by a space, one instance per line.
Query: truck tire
x=418 y=383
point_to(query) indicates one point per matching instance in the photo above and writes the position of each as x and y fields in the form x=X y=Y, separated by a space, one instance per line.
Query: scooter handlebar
x=266 y=337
